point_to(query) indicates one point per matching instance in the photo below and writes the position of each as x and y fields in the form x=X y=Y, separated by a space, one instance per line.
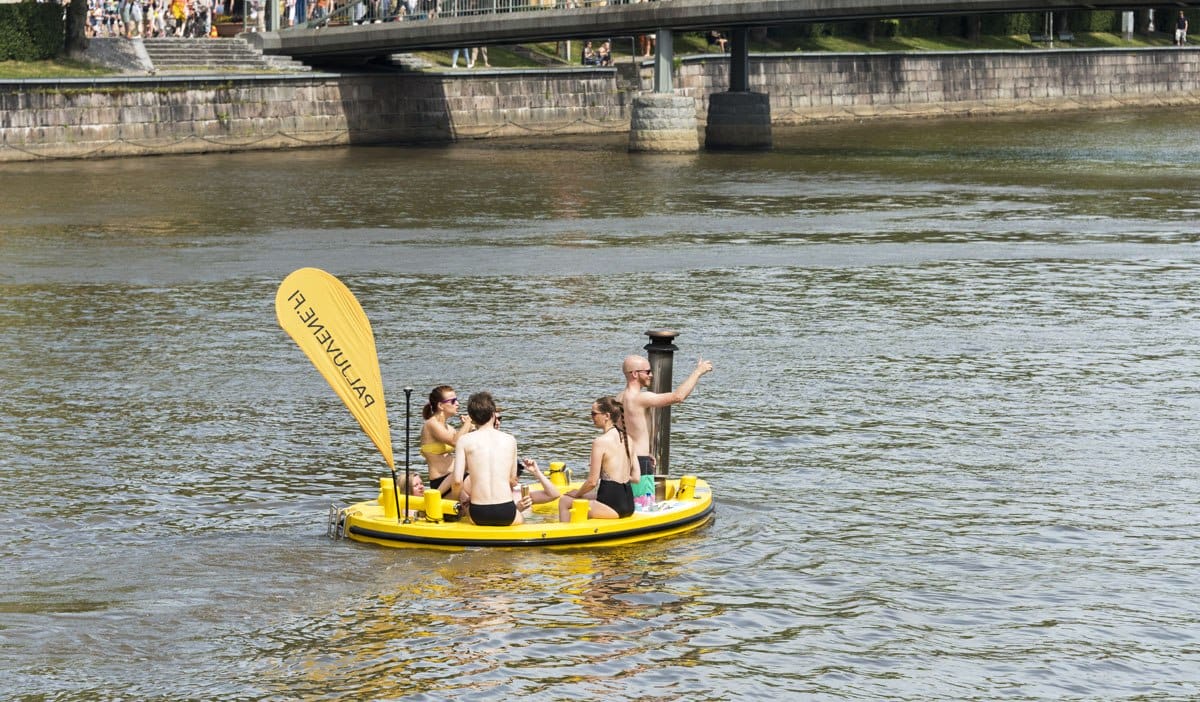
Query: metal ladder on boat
x=335 y=527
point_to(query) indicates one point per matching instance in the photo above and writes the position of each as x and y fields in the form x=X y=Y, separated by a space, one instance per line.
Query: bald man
x=638 y=402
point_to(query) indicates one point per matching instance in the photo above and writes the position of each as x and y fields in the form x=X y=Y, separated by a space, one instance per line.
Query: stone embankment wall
x=148 y=115
x=812 y=87
x=128 y=116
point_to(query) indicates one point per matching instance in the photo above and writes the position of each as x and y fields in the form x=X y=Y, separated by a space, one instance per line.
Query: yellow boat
x=686 y=505
x=323 y=317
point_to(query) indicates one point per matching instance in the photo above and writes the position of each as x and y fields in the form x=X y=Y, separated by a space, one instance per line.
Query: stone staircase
x=409 y=62
x=176 y=54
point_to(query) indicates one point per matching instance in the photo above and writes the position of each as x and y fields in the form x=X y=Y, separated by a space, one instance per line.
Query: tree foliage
x=30 y=31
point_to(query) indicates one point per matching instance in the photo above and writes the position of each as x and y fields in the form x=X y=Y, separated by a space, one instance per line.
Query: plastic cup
x=579 y=510
x=519 y=494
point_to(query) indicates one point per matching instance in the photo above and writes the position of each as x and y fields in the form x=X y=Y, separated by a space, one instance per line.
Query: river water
x=951 y=428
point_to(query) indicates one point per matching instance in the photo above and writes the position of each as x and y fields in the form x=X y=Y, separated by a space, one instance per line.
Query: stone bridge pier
x=738 y=119
x=663 y=122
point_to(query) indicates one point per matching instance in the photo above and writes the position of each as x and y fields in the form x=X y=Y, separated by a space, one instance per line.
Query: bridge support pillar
x=663 y=123
x=738 y=119
x=739 y=60
x=664 y=60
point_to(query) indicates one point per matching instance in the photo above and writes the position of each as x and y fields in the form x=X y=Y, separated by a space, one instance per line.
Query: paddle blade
x=322 y=316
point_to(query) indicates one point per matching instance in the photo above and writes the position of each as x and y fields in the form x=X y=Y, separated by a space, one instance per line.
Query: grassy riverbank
x=689 y=43
x=52 y=68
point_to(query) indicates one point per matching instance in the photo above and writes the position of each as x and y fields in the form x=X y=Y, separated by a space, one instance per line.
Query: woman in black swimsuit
x=610 y=470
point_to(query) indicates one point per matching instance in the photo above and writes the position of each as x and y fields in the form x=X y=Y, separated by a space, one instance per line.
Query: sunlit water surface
x=951 y=428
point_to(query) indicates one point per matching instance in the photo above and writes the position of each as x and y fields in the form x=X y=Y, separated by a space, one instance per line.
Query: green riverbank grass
x=689 y=43
x=52 y=68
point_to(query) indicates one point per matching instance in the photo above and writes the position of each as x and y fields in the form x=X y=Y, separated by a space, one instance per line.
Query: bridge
x=484 y=22
x=737 y=118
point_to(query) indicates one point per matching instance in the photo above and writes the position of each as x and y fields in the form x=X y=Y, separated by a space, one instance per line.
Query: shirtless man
x=638 y=404
x=490 y=457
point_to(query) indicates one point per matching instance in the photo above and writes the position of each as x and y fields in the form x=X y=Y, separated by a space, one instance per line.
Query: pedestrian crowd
x=151 y=18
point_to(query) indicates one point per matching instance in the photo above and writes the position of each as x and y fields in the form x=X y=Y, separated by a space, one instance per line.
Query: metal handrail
x=406 y=10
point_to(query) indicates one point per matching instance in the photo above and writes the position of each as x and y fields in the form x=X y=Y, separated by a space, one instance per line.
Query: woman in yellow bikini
x=438 y=437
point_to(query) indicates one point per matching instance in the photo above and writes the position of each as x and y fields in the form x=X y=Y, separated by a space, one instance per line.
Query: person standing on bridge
x=1181 y=27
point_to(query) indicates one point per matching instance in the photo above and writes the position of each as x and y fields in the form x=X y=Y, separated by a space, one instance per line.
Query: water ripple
x=950 y=427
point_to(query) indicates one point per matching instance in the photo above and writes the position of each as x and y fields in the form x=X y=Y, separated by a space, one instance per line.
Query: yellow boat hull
x=373 y=522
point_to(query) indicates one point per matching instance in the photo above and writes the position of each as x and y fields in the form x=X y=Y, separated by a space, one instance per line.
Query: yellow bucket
x=579 y=511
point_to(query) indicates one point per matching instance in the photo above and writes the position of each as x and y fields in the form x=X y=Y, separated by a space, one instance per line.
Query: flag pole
x=407 y=429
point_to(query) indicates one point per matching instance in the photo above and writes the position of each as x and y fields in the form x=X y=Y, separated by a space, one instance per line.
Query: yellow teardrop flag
x=322 y=316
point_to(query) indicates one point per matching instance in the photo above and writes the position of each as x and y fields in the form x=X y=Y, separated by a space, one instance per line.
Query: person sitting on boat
x=416 y=486
x=490 y=456
x=637 y=403
x=438 y=438
x=610 y=470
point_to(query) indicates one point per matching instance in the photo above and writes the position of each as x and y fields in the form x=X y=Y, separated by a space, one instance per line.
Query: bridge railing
x=350 y=12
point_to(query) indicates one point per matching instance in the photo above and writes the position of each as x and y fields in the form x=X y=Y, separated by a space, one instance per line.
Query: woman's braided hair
x=609 y=405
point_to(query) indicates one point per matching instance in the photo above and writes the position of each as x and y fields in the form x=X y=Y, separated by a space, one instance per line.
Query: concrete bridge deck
x=550 y=24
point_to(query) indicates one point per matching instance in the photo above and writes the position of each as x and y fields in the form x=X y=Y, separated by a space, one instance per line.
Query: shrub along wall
x=947 y=25
x=1011 y=25
x=30 y=31
x=1164 y=19
x=1004 y=25
x=1096 y=21
x=1110 y=20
